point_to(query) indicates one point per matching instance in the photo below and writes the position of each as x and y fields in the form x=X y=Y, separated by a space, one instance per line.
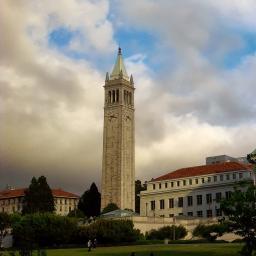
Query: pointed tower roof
x=119 y=68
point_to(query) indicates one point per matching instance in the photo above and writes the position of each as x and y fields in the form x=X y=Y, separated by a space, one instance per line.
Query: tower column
x=118 y=163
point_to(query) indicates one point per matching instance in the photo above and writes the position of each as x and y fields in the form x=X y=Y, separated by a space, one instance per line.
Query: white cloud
x=51 y=106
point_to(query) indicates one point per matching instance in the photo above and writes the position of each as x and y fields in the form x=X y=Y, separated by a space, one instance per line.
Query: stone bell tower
x=118 y=165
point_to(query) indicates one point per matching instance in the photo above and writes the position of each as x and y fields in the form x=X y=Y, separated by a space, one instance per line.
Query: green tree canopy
x=241 y=211
x=109 y=208
x=138 y=188
x=5 y=222
x=89 y=202
x=38 y=197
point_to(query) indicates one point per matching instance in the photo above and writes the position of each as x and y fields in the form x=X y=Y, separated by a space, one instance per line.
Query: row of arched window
x=113 y=97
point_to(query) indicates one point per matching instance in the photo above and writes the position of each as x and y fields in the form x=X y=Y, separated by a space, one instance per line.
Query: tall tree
x=89 y=202
x=5 y=223
x=38 y=197
x=241 y=211
x=138 y=188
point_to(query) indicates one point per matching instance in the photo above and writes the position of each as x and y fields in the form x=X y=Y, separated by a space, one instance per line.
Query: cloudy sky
x=194 y=66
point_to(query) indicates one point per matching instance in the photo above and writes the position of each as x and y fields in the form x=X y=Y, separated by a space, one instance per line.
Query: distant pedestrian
x=89 y=245
x=133 y=254
x=94 y=244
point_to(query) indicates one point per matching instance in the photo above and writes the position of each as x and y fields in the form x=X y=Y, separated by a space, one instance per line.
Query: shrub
x=210 y=232
x=167 y=232
x=109 y=232
x=43 y=229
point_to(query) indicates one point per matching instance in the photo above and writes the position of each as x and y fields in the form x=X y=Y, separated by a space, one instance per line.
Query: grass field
x=157 y=250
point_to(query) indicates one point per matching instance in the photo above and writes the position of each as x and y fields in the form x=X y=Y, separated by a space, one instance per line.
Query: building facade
x=225 y=158
x=118 y=164
x=193 y=191
x=11 y=201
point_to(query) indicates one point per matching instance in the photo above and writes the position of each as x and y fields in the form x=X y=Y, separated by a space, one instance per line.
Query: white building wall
x=191 y=186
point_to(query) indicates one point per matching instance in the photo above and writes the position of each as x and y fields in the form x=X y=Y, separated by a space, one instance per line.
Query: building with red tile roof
x=204 y=170
x=11 y=200
x=193 y=191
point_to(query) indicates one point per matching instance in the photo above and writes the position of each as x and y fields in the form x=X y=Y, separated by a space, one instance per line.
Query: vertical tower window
x=114 y=95
x=117 y=95
x=109 y=96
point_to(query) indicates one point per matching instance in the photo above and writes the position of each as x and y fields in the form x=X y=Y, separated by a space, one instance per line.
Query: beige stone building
x=118 y=169
x=11 y=201
x=193 y=192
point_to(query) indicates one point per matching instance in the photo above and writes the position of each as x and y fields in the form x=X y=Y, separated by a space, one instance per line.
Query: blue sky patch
x=234 y=58
x=61 y=37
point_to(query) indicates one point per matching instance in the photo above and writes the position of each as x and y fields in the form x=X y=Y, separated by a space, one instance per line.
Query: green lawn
x=158 y=250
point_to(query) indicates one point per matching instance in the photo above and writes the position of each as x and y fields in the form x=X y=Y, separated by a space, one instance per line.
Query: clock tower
x=118 y=164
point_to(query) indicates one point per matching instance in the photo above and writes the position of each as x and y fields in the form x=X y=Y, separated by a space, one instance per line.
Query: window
x=209 y=213
x=190 y=181
x=171 y=202
x=190 y=214
x=215 y=178
x=172 y=184
x=154 y=186
x=171 y=215
x=114 y=96
x=160 y=185
x=152 y=205
x=228 y=194
x=180 y=202
x=117 y=95
x=162 y=204
x=178 y=183
x=234 y=176
x=199 y=199
x=218 y=197
x=241 y=175
x=184 y=182
x=221 y=177
x=202 y=180
x=166 y=185
x=199 y=213
x=109 y=97
x=190 y=200
x=227 y=177
x=218 y=212
x=208 y=198
x=162 y=216
x=180 y=214
x=196 y=180
x=209 y=179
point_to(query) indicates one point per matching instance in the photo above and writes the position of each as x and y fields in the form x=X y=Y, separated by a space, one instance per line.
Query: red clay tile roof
x=61 y=193
x=12 y=193
x=204 y=170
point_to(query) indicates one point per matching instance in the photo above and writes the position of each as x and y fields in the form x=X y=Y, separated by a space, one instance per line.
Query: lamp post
x=252 y=160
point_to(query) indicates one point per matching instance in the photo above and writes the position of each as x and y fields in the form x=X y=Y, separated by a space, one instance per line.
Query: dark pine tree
x=138 y=188
x=89 y=202
x=38 y=197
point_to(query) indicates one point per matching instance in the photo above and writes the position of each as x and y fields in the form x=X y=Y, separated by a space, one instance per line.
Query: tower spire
x=119 y=67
